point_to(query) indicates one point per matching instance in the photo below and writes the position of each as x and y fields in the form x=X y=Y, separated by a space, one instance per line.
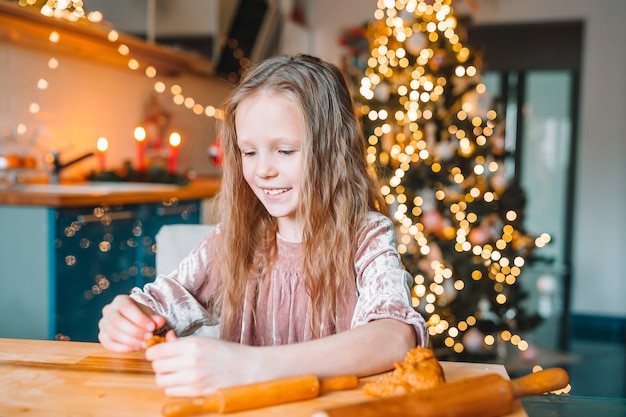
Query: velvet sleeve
x=185 y=297
x=383 y=285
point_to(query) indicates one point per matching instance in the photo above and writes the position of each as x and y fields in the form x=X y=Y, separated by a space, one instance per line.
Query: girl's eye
x=286 y=152
x=248 y=153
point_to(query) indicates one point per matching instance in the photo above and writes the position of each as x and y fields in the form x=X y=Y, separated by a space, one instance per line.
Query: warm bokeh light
x=175 y=139
x=54 y=37
x=102 y=144
x=139 y=134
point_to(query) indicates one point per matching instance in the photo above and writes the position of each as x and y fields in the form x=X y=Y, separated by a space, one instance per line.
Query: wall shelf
x=28 y=28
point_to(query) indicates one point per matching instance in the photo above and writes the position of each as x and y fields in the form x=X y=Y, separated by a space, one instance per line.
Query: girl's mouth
x=275 y=191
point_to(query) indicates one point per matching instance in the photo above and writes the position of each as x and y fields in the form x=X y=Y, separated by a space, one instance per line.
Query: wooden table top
x=197 y=189
x=128 y=388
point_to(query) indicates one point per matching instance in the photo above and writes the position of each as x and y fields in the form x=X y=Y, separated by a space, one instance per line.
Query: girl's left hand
x=197 y=366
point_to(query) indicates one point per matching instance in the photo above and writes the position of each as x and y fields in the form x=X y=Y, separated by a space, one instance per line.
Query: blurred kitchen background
x=64 y=96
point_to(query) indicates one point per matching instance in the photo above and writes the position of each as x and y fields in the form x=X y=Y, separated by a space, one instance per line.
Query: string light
x=74 y=11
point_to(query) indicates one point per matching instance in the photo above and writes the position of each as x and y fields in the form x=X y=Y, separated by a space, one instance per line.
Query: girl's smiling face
x=269 y=136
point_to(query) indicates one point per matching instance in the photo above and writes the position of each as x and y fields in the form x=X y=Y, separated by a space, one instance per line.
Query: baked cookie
x=419 y=370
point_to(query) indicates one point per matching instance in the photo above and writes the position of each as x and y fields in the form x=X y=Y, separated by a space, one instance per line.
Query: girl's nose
x=265 y=167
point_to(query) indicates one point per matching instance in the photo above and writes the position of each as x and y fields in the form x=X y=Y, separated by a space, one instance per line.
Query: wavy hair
x=337 y=191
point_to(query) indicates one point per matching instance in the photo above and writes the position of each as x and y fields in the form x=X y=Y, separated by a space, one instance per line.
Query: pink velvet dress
x=276 y=304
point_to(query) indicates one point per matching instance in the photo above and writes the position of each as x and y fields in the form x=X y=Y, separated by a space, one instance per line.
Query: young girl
x=301 y=273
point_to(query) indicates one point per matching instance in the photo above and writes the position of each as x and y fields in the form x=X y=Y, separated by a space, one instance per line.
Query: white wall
x=599 y=286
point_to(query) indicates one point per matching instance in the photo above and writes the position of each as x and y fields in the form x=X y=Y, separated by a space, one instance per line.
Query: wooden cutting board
x=88 y=364
x=58 y=391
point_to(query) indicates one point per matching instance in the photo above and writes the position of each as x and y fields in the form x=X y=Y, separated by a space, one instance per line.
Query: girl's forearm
x=363 y=351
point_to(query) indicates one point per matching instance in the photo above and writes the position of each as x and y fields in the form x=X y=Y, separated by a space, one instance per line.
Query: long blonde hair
x=338 y=190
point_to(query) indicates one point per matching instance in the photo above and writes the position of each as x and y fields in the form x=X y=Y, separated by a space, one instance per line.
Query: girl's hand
x=197 y=366
x=126 y=325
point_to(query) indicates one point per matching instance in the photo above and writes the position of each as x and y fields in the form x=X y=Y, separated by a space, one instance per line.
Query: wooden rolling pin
x=261 y=394
x=489 y=395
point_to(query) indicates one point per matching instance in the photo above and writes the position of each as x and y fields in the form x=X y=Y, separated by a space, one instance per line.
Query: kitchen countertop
x=94 y=193
x=124 y=384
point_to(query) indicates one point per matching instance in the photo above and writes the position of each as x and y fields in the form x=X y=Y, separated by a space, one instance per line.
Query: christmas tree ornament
x=499 y=182
x=216 y=153
x=445 y=150
x=382 y=92
x=498 y=144
x=433 y=221
x=416 y=42
x=473 y=340
x=479 y=236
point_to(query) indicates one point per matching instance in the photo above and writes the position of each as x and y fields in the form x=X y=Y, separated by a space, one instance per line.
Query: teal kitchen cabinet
x=61 y=266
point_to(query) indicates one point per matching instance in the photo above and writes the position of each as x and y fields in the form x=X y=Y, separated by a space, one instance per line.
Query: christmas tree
x=439 y=150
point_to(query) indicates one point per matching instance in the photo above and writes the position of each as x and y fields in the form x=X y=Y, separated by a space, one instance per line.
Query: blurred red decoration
x=216 y=152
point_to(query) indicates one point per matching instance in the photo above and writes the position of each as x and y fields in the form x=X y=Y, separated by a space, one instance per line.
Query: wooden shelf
x=26 y=27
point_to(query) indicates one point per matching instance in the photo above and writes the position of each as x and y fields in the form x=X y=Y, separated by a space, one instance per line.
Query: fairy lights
x=72 y=10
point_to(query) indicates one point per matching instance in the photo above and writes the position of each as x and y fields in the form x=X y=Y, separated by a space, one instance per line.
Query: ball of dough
x=419 y=370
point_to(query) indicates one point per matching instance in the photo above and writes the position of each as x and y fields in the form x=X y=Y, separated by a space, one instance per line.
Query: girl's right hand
x=126 y=325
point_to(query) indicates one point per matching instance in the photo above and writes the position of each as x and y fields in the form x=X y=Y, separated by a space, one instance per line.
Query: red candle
x=102 y=145
x=174 y=142
x=140 y=138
